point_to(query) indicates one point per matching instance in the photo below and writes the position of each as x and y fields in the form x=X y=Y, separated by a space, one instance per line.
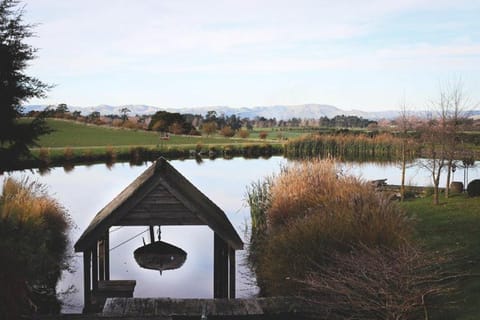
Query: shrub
x=263 y=135
x=110 y=154
x=380 y=283
x=227 y=132
x=33 y=249
x=68 y=154
x=243 y=133
x=44 y=156
x=473 y=188
x=313 y=211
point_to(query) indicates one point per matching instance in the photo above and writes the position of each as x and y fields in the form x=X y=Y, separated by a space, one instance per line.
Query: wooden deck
x=186 y=309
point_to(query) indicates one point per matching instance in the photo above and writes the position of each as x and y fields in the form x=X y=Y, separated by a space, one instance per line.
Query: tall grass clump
x=310 y=219
x=360 y=147
x=34 y=230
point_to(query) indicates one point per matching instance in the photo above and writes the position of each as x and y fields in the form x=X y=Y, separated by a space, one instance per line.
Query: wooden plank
x=237 y=307
x=114 y=307
x=223 y=307
x=107 y=255
x=134 y=307
x=232 y=273
x=101 y=259
x=151 y=214
x=86 y=281
x=160 y=207
x=163 y=307
x=163 y=222
x=95 y=266
x=220 y=267
x=252 y=307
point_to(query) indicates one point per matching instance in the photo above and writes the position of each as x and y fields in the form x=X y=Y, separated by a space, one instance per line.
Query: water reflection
x=88 y=188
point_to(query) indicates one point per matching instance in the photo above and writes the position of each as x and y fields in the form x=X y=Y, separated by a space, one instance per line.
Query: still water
x=85 y=190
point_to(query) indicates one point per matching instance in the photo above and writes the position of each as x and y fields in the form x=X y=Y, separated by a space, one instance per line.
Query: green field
x=453 y=227
x=74 y=135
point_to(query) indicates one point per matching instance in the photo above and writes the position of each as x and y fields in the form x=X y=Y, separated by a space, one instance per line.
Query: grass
x=74 y=134
x=453 y=226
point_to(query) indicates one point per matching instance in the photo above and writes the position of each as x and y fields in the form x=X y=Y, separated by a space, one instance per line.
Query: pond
x=85 y=190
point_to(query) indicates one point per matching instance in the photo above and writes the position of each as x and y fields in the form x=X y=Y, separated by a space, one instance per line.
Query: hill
x=280 y=112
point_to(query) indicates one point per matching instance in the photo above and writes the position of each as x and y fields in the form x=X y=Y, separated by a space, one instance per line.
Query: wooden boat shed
x=160 y=196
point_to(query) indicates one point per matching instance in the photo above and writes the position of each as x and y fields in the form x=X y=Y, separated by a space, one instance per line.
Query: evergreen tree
x=16 y=87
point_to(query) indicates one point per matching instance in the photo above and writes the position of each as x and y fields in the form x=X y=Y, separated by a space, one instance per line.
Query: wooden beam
x=232 y=278
x=107 y=255
x=152 y=235
x=95 y=266
x=220 y=267
x=101 y=259
x=86 y=281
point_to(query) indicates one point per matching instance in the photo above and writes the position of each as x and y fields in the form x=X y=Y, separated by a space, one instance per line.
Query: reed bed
x=347 y=147
x=34 y=230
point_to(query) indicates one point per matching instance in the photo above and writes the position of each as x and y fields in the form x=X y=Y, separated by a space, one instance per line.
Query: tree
x=404 y=125
x=125 y=111
x=17 y=87
x=454 y=118
x=227 y=132
x=209 y=128
x=441 y=135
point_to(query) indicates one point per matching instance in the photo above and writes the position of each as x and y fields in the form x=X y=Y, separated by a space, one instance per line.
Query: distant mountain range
x=280 y=112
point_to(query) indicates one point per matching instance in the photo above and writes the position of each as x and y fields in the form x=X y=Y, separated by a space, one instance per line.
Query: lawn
x=453 y=226
x=74 y=134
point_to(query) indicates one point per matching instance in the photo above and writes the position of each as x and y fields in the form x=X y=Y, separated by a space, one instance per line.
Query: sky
x=359 y=54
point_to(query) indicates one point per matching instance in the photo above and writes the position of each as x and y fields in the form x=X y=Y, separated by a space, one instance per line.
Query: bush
x=227 y=132
x=243 y=133
x=263 y=135
x=314 y=211
x=33 y=249
x=473 y=188
x=334 y=240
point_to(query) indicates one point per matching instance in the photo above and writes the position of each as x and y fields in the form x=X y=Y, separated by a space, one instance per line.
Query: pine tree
x=16 y=87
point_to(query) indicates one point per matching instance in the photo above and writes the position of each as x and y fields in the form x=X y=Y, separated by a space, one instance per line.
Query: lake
x=85 y=190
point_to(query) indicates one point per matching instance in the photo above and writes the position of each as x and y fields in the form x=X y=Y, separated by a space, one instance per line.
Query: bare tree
x=404 y=126
x=455 y=117
x=441 y=133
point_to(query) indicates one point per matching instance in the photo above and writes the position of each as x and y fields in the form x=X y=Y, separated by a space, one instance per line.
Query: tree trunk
x=449 y=170
x=404 y=165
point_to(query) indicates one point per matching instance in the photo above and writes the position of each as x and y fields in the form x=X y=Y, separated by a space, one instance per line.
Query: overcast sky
x=362 y=54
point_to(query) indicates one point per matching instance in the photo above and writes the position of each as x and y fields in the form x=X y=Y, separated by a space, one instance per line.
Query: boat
x=160 y=256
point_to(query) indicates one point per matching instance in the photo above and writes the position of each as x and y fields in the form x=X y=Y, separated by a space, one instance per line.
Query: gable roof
x=160 y=196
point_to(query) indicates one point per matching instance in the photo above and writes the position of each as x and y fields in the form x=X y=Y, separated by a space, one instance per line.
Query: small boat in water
x=160 y=256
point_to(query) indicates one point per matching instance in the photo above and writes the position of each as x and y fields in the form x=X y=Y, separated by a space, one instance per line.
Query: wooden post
x=152 y=235
x=86 y=281
x=95 y=267
x=220 y=267
x=101 y=259
x=107 y=255
x=231 y=255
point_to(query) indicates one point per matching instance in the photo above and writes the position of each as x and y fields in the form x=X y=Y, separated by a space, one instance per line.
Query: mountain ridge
x=280 y=112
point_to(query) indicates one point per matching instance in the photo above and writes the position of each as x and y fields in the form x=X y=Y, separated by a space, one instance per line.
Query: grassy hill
x=74 y=134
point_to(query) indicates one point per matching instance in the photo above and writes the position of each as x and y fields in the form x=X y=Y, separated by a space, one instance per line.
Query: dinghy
x=160 y=256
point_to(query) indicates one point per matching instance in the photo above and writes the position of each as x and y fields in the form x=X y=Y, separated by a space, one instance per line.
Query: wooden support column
x=101 y=259
x=152 y=235
x=220 y=267
x=95 y=267
x=232 y=271
x=107 y=255
x=87 y=255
